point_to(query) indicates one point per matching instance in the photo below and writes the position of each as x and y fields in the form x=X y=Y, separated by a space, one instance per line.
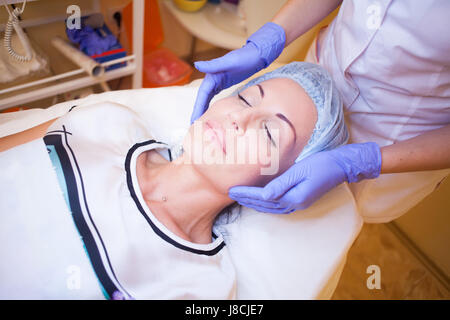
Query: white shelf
x=38 y=21
x=15 y=1
x=66 y=82
x=218 y=29
x=66 y=85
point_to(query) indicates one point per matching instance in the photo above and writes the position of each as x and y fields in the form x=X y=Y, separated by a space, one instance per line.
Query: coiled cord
x=12 y=22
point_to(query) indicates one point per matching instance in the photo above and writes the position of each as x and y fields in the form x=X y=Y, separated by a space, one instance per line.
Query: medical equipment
x=13 y=23
x=297 y=256
x=17 y=57
x=261 y=49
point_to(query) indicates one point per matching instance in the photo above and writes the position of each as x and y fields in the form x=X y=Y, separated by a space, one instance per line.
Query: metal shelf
x=64 y=86
x=71 y=80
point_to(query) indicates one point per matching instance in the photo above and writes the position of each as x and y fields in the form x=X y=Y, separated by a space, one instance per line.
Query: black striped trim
x=92 y=248
x=149 y=221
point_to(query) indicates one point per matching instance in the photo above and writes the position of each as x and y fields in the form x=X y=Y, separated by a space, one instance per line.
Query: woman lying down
x=145 y=219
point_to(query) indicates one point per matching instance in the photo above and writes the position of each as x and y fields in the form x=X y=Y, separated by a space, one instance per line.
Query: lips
x=218 y=132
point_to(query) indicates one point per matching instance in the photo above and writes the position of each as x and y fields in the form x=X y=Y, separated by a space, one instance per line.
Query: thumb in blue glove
x=309 y=179
x=261 y=49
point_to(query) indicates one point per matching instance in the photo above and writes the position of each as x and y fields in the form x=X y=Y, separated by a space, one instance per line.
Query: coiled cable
x=12 y=24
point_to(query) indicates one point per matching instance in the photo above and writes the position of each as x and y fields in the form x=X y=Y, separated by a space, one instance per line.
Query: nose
x=240 y=120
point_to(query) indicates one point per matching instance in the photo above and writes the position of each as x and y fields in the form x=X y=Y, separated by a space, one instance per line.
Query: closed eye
x=245 y=101
x=270 y=136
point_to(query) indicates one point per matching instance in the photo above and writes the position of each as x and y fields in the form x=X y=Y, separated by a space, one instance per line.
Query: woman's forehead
x=287 y=94
x=277 y=88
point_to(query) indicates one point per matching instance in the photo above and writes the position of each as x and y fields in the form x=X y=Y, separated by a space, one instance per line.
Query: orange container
x=161 y=67
x=153 y=31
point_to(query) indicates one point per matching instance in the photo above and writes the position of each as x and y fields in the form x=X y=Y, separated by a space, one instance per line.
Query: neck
x=180 y=198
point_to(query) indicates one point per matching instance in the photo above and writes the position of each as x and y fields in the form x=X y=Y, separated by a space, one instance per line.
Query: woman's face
x=250 y=138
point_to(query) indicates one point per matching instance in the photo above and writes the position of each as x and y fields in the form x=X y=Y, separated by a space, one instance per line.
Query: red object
x=14 y=109
x=153 y=31
x=106 y=53
x=161 y=67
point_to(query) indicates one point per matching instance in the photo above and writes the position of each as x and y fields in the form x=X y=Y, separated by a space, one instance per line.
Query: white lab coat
x=390 y=60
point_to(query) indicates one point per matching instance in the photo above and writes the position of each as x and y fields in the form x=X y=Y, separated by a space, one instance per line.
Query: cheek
x=220 y=107
x=223 y=177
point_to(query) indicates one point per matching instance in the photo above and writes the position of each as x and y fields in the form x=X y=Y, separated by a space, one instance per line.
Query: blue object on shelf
x=99 y=43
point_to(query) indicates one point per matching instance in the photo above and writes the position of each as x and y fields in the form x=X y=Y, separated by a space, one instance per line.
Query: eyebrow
x=282 y=117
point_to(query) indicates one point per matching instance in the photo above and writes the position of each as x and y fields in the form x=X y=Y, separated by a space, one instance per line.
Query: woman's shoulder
x=104 y=121
x=102 y=111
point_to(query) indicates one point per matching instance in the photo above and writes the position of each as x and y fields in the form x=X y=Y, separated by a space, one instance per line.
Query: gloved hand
x=261 y=49
x=310 y=178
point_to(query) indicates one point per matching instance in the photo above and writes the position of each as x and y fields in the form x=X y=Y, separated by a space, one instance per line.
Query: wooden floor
x=403 y=276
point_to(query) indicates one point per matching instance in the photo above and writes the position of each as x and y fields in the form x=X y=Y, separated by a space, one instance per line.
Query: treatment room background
x=411 y=251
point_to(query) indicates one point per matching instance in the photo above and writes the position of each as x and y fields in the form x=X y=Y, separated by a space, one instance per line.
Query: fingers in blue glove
x=260 y=203
x=206 y=92
x=273 y=190
x=214 y=66
x=246 y=192
x=292 y=200
x=297 y=197
x=280 y=186
x=230 y=61
x=268 y=210
x=252 y=197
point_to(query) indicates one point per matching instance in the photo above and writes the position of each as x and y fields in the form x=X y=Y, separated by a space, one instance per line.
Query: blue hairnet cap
x=330 y=130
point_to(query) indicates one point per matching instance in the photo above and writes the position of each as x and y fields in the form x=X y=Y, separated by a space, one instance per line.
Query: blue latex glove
x=261 y=49
x=307 y=180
